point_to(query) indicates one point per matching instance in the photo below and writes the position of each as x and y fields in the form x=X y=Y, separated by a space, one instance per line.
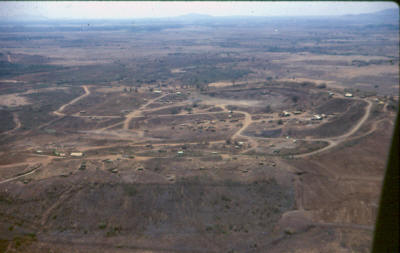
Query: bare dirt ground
x=302 y=219
x=184 y=144
x=13 y=100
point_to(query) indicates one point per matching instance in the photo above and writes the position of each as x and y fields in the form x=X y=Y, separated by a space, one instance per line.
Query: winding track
x=17 y=123
x=339 y=139
x=138 y=112
x=334 y=141
x=73 y=101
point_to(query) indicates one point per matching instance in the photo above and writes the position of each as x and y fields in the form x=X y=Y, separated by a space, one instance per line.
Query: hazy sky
x=119 y=9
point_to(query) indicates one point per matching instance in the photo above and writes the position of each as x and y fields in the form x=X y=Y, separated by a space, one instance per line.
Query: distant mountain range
x=195 y=16
x=384 y=16
x=387 y=13
x=387 y=16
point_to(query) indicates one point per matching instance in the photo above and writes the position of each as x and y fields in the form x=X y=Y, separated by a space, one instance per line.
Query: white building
x=77 y=154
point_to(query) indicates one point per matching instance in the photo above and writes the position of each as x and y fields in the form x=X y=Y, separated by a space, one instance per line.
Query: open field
x=195 y=137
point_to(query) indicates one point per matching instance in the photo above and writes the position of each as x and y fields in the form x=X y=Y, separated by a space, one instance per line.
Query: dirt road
x=59 y=111
x=33 y=170
x=339 y=139
x=17 y=123
x=334 y=141
x=138 y=112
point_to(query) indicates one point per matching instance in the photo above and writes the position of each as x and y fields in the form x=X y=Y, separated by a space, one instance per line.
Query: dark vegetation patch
x=23 y=58
x=199 y=69
x=272 y=133
x=203 y=75
x=43 y=104
x=51 y=27
x=7 y=88
x=272 y=97
x=101 y=74
x=252 y=109
x=335 y=105
x=74 y=124
x=303 y=147
x=8 y=70
x=148 y=71
x=269 y=133
x=6 y=119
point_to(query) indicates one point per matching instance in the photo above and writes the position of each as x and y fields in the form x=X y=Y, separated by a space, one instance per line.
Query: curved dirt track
x=334 y=141
x=59 y=111
x=138 y=112
x=247 y=121
x=17 y=123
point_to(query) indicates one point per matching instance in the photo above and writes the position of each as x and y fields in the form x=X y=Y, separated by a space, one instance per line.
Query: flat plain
x=200 y=136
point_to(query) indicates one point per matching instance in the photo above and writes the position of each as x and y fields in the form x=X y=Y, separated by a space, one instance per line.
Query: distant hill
x=23 y=18
x=387 y=16
x=384 y=16
x=194 y=16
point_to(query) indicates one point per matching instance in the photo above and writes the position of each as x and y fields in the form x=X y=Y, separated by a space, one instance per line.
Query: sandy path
x=132 y=115
x=246 y=122
x=344 y=225
x=46 y=215
x=334 y=141
x=59 y=111
x=138 y=112
x=89 y=148
x=33 y=170
x=17 y=123
x=339 y=139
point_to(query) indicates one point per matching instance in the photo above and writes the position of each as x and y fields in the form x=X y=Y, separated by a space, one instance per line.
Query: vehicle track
x=73 y=101
x=33 y=170
x=152 y=144
x=63 y=197
x=138 y=111
x=17 y=123
x=334 y=141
